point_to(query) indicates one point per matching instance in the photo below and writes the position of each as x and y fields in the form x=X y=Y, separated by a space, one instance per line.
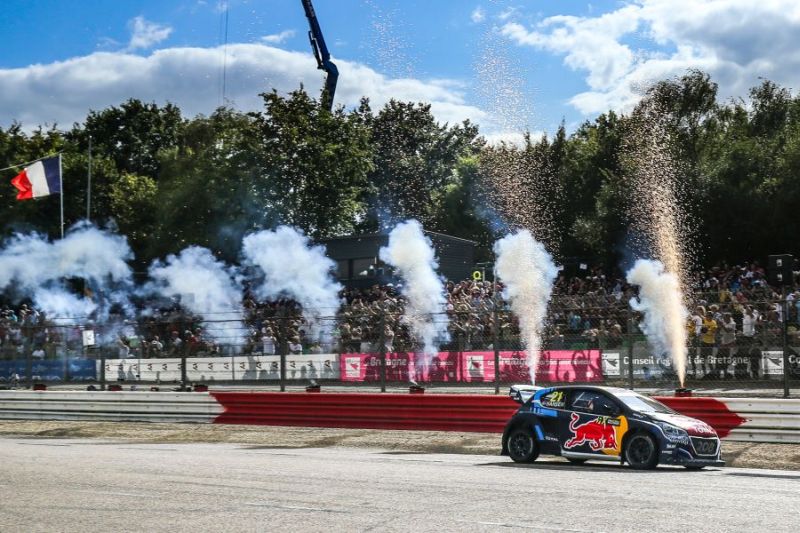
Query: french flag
x=42 y=178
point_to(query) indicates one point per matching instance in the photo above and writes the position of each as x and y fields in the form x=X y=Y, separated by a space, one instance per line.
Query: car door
x=592 y=424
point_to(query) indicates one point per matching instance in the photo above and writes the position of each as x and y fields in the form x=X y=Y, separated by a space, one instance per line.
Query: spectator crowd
x=732 y=309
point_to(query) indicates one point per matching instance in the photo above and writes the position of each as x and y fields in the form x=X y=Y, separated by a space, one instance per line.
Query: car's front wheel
x=641 y=452
x=522 y=447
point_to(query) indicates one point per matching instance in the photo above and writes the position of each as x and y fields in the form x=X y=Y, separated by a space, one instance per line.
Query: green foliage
x=169 y=182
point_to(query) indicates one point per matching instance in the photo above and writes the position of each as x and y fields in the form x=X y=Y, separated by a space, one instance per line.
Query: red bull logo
x=598 y=433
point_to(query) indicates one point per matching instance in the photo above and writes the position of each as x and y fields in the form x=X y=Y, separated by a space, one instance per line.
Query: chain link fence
x=732 y=343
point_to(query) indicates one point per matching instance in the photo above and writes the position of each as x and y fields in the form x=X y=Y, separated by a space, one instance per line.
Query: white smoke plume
x=411 y=253
x=60 y=304
x=661 y=301
x=206 y=287
x=294 y=268
x=34 y=267
x=528 y=272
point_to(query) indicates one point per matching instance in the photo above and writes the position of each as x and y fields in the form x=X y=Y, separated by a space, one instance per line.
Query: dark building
x=358 y=264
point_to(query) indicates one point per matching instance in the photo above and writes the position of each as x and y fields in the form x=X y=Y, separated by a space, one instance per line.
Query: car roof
x=612 y=390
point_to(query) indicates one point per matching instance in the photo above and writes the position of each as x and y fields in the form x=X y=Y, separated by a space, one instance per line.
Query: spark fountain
x=528 y=272
x=654 y=211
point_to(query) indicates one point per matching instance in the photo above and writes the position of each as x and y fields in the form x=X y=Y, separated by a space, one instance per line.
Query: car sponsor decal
x=540 y=411
x=556 y=400
x=600 y=433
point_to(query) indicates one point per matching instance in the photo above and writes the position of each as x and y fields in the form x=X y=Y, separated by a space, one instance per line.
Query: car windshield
x=643 y=404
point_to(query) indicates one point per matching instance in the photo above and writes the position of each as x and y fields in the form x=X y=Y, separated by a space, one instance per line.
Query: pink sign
x=443 y=367
x=563 y=366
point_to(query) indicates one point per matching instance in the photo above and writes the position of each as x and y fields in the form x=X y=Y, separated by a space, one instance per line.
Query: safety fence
x=745 y=420
x=633 y=367
x=586 y=338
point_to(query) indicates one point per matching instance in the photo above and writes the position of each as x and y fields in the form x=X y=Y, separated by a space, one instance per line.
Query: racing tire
x=522 y=447
x=576 y=460
x=641 y=452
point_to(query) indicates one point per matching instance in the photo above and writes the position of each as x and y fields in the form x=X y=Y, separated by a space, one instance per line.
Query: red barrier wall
x=433 y=412
x=710 y=410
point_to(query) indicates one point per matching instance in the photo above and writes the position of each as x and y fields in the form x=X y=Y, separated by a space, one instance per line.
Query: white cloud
x=277 y=38
x=146 y=34
x=622 y=51
x=63 y=92
x=478 y=15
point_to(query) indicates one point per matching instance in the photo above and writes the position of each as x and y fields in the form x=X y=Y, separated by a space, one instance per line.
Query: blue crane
x=322 y=54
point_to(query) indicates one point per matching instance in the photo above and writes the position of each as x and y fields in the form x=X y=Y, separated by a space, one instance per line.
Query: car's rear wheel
x=576 y=461
x=641 y=452
x=522 y=447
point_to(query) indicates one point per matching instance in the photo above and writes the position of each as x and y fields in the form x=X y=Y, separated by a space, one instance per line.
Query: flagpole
x=89 y=185
x=61 y=194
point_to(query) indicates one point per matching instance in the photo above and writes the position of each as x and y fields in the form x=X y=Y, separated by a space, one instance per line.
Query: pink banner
x=443 y=367
x=563 y=366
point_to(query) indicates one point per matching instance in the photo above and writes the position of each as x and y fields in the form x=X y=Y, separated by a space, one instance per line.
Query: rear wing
x=522 y=393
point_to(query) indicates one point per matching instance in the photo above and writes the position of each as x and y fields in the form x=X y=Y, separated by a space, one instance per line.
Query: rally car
x=584 y=423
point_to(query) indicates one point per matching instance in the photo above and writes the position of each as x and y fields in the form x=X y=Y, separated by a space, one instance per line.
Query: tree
x=132 y=134
x=414 y=160
x=312 y=164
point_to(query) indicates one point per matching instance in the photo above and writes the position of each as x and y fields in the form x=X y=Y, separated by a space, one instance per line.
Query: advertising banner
x=443 y=367
x=772 y=363
x=562 y=366
x=74 y=369
x=210 y=369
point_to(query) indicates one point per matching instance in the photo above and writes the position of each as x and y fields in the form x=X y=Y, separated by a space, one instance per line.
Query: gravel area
x=739 y=454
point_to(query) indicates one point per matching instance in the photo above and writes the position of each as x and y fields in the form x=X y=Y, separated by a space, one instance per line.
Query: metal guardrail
x=109 y=406
x=767 y=420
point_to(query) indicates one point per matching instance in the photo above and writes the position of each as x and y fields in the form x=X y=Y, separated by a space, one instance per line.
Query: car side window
x=593 y=402
x=555 y=399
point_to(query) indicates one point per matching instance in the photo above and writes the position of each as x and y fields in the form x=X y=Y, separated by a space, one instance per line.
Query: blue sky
x=509 y=65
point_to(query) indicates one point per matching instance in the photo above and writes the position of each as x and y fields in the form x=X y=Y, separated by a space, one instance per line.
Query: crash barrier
x=109 y=406
x=745 y=420
x=765 y=420
x=757 y=420
x=434 y=412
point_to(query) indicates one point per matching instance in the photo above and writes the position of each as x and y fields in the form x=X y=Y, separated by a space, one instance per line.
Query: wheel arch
x=517 y=421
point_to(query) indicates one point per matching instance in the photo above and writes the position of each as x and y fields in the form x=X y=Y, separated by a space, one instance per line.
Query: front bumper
x=684 y=457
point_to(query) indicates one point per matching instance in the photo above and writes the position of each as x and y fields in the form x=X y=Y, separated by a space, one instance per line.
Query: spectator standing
x=268 y=341
x=295 y=348
x=747 y=340
x=727 y=343
x=708 y=340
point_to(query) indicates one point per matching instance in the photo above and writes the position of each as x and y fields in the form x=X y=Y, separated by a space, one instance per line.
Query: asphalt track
x=90 y=485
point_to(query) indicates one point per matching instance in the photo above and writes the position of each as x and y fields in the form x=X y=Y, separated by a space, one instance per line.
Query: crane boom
x=322 y=54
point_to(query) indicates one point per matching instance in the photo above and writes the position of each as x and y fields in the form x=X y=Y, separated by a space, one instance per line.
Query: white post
x=61 y=186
